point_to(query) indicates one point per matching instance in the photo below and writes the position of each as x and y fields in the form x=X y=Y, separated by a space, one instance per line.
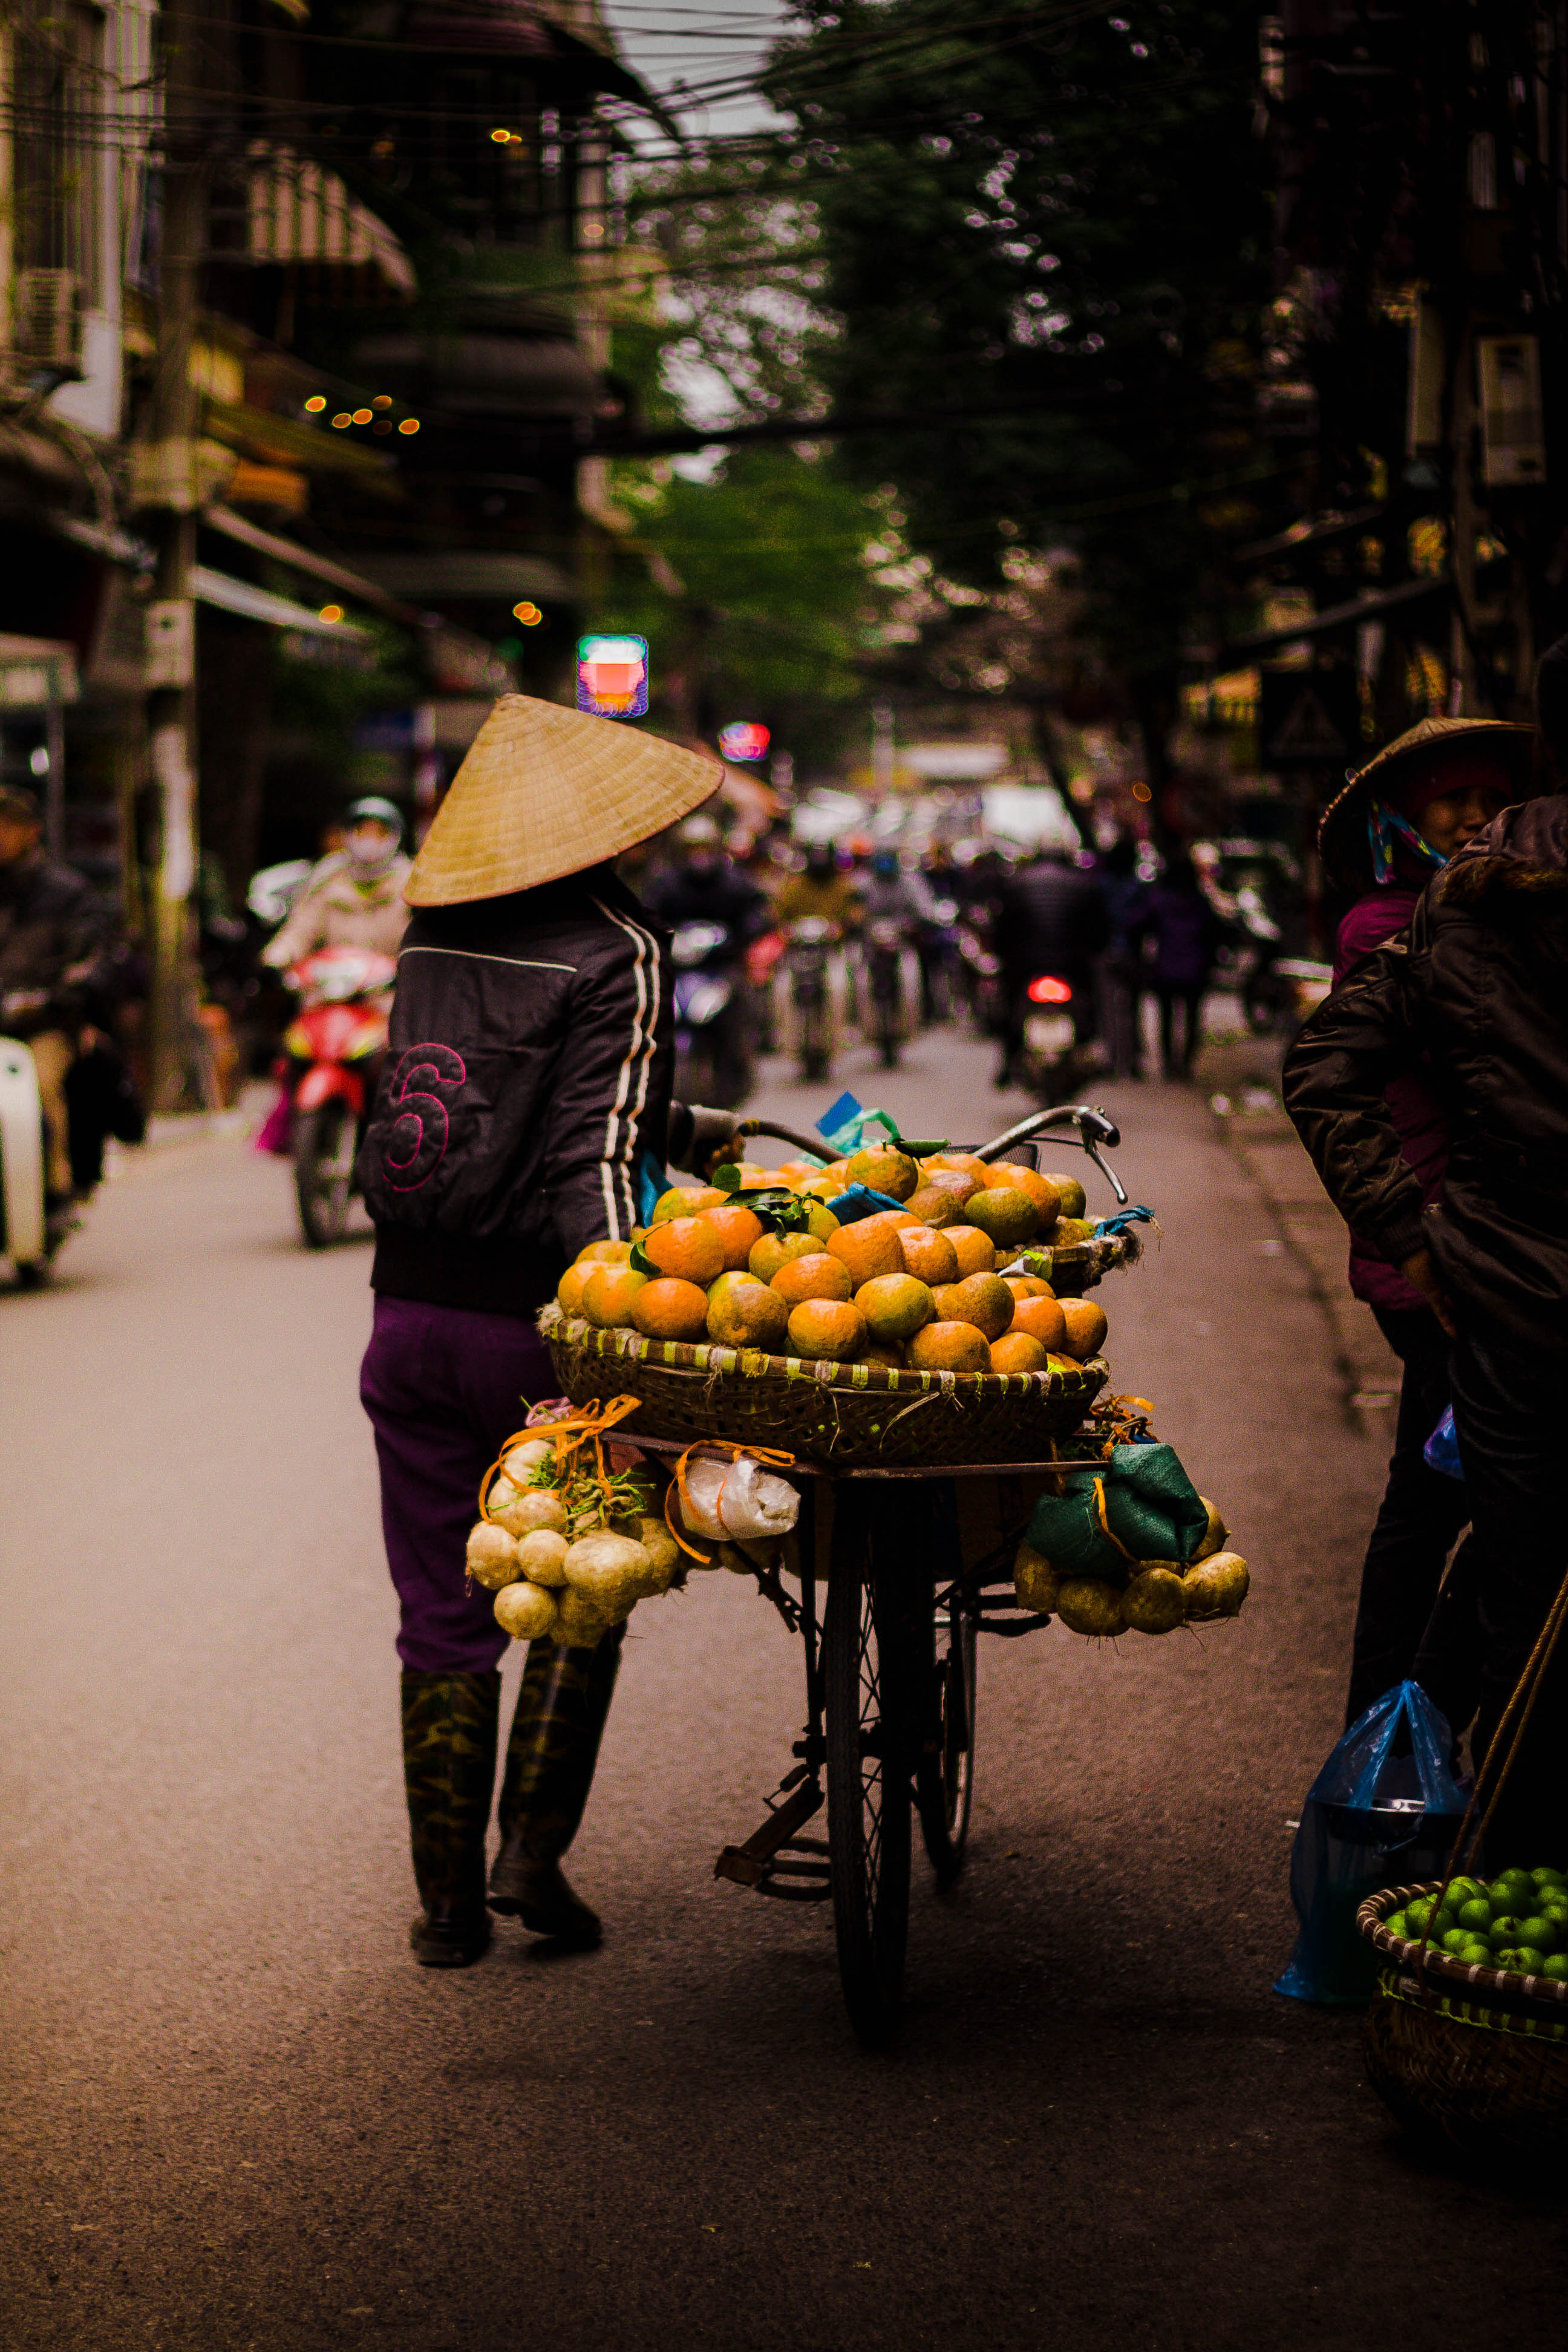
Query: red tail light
x=1047 y=991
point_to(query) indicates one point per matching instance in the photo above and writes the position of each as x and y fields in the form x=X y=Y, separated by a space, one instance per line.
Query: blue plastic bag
x=1372 y=1818
x=1441 y=1450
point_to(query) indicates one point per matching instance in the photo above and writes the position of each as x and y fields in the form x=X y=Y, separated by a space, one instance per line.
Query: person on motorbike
x=704 y=887
x=355 y=898
x=54 y=956
x=1051 y=917
x=822 y=891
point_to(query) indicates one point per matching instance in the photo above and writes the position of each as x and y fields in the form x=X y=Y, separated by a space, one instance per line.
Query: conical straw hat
x=545 y=792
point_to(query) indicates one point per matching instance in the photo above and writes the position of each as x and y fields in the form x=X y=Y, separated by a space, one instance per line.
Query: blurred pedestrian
x=1126 y=901
x=1186 y=931
x=520 y=1116
x=822 y=891
x=1475 y=986
x=1395 y=824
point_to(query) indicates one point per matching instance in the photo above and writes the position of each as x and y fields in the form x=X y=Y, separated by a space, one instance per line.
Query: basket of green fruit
x=1467 y=2034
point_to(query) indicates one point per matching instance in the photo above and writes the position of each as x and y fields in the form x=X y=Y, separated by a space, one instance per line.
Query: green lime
x=1477 y=1914
x=1536 y=1932
x=1462 y=1891
x=1458 y=1939
x=1508 y=1888
x=1396 y=1924
x=1556 y=1968
x=1477 y=1955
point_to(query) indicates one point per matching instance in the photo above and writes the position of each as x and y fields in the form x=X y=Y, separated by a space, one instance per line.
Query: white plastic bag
x=737 y=1499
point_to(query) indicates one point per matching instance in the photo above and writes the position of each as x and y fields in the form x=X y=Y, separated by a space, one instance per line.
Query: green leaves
x=642 y=1263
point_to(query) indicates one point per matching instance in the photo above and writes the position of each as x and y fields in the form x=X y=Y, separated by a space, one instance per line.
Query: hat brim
x=1342 y=831
x=546 y=792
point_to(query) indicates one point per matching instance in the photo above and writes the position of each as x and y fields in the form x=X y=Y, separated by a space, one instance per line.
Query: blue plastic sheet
x=1441 y=1450
x=1383 y=1811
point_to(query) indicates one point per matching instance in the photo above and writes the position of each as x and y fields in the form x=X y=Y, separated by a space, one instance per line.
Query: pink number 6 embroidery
x=418 y=1144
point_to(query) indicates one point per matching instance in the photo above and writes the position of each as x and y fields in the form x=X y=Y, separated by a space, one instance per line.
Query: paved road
x=235 y=2116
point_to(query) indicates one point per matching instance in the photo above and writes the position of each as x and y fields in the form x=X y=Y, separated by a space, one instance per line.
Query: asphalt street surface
x=235 y=2114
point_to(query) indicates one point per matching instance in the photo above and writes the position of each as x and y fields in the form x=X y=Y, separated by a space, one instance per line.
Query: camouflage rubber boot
x=448 y=1769
x=550 y=1760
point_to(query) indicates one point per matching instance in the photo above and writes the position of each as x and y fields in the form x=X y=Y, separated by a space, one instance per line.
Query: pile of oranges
x=916 y=1286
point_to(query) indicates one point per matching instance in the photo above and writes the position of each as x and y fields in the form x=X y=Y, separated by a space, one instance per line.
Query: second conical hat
x=545 y=792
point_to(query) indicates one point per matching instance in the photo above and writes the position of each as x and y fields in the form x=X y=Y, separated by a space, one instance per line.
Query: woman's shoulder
x=1371 y=923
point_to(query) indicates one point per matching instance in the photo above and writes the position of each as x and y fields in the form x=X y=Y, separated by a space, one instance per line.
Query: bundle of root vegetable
x=954 y=1280
x=567 y=1545
x=1154 y=1596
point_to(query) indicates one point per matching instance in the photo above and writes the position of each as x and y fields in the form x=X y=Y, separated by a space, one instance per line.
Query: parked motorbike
x=891 y=983
x=1059 y=1049
x=332 y=1051
x=810 y=1004
x=712 y=1015
x=24 y=1238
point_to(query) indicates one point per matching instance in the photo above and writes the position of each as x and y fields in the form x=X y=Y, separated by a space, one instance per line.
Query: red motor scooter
x=333 y=1048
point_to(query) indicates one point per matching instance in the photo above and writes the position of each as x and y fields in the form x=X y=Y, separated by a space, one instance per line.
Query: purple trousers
x=444 y=1388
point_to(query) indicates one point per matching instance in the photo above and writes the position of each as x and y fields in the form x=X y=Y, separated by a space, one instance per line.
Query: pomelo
x=895 y=1305
x=830 y=1330
x=947 y=1348
x=1085 y=1605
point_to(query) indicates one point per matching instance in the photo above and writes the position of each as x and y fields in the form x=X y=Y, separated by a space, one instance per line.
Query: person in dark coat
x=521 y=1114
x=1476 y=989
x=1051 y=917
x=1185 y=929
x=54 y=965
x=1396 y=823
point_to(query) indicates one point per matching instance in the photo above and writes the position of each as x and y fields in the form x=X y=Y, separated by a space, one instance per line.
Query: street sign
x=1309 y=719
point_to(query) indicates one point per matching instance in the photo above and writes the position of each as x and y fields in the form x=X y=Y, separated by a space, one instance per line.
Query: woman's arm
x=610 y=1098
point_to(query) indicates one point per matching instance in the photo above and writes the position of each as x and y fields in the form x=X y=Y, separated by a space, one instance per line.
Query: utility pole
x=167 y=488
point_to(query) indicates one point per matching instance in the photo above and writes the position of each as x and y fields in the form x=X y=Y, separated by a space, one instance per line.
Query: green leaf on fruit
x=727 y=1177
x=641 y=1263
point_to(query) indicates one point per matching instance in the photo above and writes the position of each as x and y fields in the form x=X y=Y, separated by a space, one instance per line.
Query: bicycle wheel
x=944 y=1778
x=324 y=1171
x=869 y=1649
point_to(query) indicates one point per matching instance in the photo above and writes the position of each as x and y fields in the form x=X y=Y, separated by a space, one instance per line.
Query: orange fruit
x=777 y=1249
x=935 y=1207
x=1086 y=1328
x=882 y=1169
x=603 y=1254
x=686 y=1201
x=963 y=1163
x=1055 y=1364
x=821 y=1220
x=1005 y=1212
x=975 y=1251
x=1040 y=1188
x=830 y=1330
x=820 y=1275
x=983 y=1299
x=894 y=1306
x=746 y=1314
x=928 y=1254
x=868 y=1248
x=1070 y=1194
x=878 y=1352
x=568 y=1289
x=668 y=1309
x=949 y=1347
x=688 y=1247
x=608 y=1295
x=1015 y=1352
x=1043 y=1319
x=739 y=1229
x=1029 y=1286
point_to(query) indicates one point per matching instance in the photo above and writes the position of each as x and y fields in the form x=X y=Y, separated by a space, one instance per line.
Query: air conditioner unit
x=47 y=329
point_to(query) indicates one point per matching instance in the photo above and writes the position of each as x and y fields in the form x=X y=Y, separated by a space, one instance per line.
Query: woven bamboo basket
x=847 y=1414
x=1478 y=2056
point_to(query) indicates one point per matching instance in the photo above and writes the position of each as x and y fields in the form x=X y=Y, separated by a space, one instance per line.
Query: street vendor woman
x=521 y=1114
